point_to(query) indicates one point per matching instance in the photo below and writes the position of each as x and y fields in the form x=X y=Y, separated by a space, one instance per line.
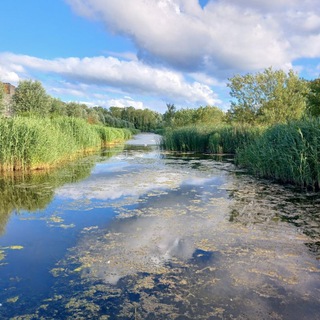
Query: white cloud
x=7 y=75
x=130 y=76
x=225 y=37
x=125 y=102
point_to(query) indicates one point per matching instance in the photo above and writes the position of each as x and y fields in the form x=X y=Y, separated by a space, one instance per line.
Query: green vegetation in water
x=288 y=153
x=217 y=140
x=35 y=143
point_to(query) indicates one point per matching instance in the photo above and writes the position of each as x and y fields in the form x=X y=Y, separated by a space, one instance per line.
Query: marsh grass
x=28 y=143
x=289 y=153
x=186 y=139
x=216 y=140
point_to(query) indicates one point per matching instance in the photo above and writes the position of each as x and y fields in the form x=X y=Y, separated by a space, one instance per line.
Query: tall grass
x=32 y=143
x=289 y=153
x=186 y=139
x=217 y=140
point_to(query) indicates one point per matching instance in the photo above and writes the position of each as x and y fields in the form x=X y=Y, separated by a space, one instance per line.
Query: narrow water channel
x=135 y=233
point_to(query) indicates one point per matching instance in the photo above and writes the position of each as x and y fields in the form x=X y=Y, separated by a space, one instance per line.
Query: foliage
x=30 y=98
x=229 y=139
x=313 y=98
x=217 y=140
x=129 y=117
x=289 y=153
x=57 y=107
x=186 y=139
x=32 y=142
x=208 y=115
x=267 y=97
x=169 y=115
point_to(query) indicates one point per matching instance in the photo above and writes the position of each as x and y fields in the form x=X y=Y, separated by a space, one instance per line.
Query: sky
x=147 y=53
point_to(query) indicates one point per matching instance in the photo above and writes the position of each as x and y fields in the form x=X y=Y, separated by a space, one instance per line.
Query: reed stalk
x=28 y=143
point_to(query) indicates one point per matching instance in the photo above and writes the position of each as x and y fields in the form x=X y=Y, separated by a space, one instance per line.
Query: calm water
x=134 y=233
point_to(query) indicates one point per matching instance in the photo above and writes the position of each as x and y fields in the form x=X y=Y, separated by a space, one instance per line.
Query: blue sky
x=149 y=53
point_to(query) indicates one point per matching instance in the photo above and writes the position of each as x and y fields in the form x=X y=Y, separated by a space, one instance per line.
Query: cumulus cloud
x=222 y=38
x=8 y=76
x=130 y=76
x=126 y=102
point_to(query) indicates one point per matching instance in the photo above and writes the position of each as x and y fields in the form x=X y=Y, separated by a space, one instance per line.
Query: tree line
x=30 y=98
x=267 y=97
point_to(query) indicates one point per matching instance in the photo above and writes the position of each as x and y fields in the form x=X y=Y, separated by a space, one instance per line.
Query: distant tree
x=77 y=110
x=30 y=98
x=93 y=116
x=168 y=116
x=57 y=107
x=209 y=115
x=184 y=117
x=116 y=112
x=313 y=98
x=267 y=97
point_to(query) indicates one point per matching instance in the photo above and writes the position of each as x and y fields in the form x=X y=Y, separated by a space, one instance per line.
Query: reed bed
x=289 y=153
x=216 y=140
x=38 y=143
x=186 y=139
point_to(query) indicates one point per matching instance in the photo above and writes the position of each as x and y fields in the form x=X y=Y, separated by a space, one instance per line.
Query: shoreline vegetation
x=33 y=143
x=272 y=127
x=286 y=153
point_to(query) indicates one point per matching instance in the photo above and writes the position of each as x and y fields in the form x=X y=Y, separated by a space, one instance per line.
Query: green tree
x=184 y=117
x=313 y=98
x=168 y=116
x=267 y=97
x=57 y=107
x=209 y=115
x=116 y=112
x=30 y=98
x=77 y=110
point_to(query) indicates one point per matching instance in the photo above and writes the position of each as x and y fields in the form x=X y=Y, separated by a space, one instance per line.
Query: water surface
x=135 y=233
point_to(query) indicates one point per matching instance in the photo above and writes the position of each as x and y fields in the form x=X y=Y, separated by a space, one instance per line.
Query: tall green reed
x=31 y=143
x=289 y=153
x=217 y=140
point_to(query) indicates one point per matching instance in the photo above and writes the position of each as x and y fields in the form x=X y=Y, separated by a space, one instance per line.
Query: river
x=136 y=233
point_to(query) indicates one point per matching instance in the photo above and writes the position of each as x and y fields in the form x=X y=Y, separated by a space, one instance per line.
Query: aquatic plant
x=218 y=140
x=33 y=143
x=288 y=153
x=185 y=139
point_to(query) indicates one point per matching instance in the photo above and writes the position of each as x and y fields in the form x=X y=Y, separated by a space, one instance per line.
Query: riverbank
x=287 y=153
x=39 y=143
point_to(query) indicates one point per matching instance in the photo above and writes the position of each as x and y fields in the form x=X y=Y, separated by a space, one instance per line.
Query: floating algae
x=190 y=261
x=190 y=240
x=13 y=299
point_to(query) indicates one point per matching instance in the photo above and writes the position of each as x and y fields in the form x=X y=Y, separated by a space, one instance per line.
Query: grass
x=289 y=153
x=37 y=143
x=216 y=140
